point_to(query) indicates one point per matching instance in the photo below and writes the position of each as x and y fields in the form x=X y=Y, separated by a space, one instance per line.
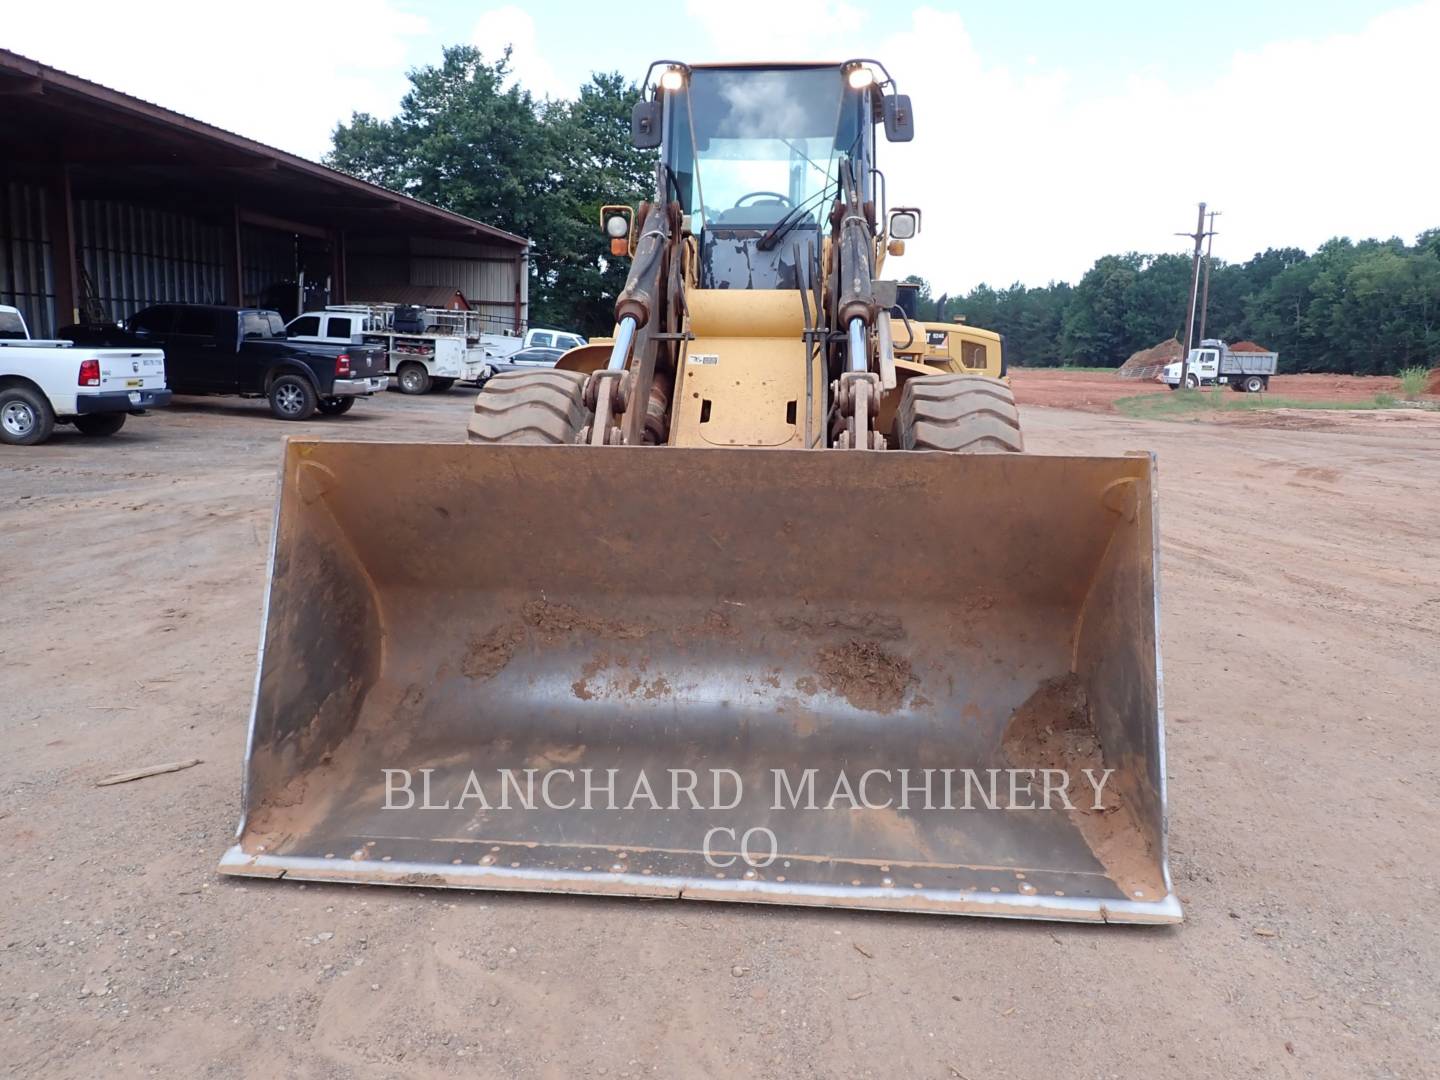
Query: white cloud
x=1024 y=176
x=280 y=72
x=510 y=26
x=778 y=29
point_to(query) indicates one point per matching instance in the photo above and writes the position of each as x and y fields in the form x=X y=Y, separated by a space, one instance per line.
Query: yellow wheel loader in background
x=617 y=644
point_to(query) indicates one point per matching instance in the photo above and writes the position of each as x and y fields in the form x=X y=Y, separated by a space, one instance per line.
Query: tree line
x=1365 y=308
x=470 y=139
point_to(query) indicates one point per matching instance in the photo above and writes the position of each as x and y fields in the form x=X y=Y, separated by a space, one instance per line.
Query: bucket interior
x=621 y=671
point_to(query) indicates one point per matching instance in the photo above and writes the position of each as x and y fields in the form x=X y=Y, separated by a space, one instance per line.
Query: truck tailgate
x=366 y=361
x=127 y=369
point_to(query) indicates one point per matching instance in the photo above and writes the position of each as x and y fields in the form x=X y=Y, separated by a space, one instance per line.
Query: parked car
x=44 y=383
x=524 y=360
x=503 y=348
x=227 y=350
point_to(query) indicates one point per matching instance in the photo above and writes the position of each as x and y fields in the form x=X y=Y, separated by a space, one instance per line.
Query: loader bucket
x=839 y=679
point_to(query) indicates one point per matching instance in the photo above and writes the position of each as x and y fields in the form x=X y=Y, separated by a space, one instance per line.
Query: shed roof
x=55 y=118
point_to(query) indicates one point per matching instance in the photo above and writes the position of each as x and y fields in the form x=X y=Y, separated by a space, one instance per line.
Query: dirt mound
x=1247 y=346
x=1146 y=363
x=865 y=675
x=1433 y=386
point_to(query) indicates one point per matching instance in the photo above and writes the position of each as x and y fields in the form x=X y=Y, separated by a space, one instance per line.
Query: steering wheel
x=756 y=194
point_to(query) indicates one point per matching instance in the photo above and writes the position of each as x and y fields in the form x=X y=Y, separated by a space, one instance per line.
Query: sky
x=1047 y=133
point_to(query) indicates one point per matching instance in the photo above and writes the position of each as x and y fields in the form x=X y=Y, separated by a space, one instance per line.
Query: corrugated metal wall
x=267 y=258
x=138 y=255
x=27 y=266
x=479 y=281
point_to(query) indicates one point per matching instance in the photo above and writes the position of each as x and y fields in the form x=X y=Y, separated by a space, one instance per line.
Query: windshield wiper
x=792 y=218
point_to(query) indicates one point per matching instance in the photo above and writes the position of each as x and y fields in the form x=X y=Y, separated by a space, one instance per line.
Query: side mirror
x=645 y=125
x=904 y=223
x=899 y=120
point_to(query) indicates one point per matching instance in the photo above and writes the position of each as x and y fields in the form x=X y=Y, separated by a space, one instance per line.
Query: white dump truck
x=1214 y=362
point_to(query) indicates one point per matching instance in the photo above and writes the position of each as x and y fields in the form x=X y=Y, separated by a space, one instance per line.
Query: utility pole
x=1199 y=237
x=1205 y=289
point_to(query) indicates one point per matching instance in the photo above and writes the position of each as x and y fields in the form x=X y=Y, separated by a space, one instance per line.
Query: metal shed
x=113 y=200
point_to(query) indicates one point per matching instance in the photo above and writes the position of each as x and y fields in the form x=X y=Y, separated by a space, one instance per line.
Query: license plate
x=134 y=382
x=134 y=397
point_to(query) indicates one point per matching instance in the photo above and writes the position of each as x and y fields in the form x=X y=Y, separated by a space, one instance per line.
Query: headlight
x=860 y=77
x=672 y=79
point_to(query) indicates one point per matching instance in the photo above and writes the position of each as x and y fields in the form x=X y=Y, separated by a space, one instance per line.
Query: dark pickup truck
x=227 y=350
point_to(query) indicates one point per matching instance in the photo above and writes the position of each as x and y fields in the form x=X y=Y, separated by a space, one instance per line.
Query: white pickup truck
x=44 y=383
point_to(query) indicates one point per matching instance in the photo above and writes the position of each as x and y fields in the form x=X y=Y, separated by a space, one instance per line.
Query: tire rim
x=18 y=418
x=410 y=380
x=1253 y=386
x=289 y=399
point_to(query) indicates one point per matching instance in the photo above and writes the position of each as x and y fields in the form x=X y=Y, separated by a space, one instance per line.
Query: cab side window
x=543 y=340
x=339 y=328
x=196 y=322
x=253 y=324
x=972 y=354
x=153 y=320
x=306 y=326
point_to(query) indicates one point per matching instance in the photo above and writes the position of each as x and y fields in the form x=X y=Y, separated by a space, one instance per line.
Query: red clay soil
x=1096 y=391
x=1247 y=346
x=1433 y=386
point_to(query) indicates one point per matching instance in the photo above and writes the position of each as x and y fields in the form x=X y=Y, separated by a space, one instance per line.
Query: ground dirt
x=1097 y=391
x=1302 y=681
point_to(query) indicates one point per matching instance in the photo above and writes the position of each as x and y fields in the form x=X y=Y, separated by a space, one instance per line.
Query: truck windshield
x=11 y=327
x=748 y=145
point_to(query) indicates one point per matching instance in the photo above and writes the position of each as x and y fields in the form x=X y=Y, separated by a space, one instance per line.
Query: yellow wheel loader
x=736 y=606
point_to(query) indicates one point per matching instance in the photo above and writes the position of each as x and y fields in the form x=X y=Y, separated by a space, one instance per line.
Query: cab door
x=202 y=348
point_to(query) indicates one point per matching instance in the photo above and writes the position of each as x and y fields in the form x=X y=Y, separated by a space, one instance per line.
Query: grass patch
x=1412 y=382
x=1182 y=403
x=1385 y=401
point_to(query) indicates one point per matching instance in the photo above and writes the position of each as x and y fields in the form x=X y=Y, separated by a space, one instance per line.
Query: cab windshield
x=748 y=146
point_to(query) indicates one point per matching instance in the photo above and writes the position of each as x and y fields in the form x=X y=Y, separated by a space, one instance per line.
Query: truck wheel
x=1254 y=384
x=25 y=416
x=413 y=378
x=1192 y=382
x=962 y=414
x=530 y=407
x=293 y=398
x=336 y=406
x=441 y=385
x=102 y=424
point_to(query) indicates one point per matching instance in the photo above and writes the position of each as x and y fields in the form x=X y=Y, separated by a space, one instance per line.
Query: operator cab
x=757 y=156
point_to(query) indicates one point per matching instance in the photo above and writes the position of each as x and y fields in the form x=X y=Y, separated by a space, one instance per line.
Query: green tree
x=470 y=140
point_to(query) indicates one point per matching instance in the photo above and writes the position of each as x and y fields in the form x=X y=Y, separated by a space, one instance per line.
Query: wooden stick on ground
x=149 y=770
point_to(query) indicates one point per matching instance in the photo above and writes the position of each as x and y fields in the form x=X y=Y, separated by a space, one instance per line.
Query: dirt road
x=1302 y=675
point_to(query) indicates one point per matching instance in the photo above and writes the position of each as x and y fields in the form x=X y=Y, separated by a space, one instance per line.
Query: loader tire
x=544 y=407
x=960 y=414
